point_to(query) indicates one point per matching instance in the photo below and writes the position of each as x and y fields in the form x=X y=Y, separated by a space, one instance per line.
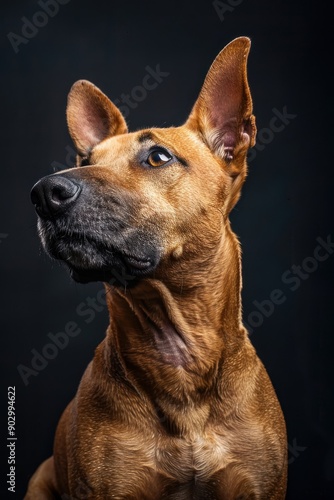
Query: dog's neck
x=162 y=329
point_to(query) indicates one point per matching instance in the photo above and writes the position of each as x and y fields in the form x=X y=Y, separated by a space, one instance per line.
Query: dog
x=176 y=403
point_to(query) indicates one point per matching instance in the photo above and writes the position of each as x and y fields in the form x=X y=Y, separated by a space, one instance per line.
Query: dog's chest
x=194 y=458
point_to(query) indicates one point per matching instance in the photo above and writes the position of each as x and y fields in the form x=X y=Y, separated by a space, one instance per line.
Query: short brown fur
x=175 y=404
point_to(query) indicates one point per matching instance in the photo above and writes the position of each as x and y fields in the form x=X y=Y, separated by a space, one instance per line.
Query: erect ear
x=222 y=113
x=91 y=117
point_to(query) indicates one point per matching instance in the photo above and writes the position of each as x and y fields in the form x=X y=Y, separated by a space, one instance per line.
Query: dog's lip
x=139 y=263
x=127 y=270
x=112 y=263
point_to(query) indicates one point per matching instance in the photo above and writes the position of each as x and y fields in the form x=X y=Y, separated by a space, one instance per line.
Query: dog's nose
x=54 y=194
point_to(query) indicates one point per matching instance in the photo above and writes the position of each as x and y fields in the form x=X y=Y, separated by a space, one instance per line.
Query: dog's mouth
x=125 y=272
x=121 y=262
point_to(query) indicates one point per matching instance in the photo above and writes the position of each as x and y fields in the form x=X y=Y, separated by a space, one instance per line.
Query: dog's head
x=139 y=204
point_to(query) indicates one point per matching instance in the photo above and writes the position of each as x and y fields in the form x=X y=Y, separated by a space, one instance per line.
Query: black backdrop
x=282 y=218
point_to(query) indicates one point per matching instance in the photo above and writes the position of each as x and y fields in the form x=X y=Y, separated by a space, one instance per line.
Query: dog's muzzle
x=93 y=228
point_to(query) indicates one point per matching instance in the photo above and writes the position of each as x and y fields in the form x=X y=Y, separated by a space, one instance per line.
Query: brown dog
x=176 y=403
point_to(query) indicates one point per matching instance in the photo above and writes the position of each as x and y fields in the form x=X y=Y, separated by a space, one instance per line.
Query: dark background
x=284 y=208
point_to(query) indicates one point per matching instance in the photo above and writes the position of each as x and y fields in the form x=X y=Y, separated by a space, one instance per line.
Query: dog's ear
x=91 y=117
x=222 y=113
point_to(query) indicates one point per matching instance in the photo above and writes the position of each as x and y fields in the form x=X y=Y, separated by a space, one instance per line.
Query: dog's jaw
x=93 y=258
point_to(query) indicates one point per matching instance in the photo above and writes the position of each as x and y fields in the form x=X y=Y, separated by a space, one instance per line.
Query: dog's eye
x=158 y=158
